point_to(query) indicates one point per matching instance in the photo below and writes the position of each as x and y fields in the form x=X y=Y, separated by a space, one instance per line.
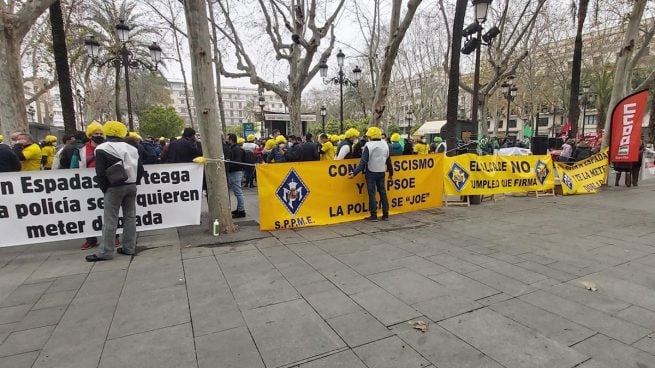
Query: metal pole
x=323 y=124
x=584 y=113
x=261 y=129
x=509 y=100
x=476 y=88
x=340 y=100
x=126 y=65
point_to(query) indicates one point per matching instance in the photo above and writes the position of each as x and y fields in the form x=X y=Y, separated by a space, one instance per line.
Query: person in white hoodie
x=118 y=194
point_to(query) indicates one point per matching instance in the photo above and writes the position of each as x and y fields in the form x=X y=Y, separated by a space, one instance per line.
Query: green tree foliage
x=161 y=121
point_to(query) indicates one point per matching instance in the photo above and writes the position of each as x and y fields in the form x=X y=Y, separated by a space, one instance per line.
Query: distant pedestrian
x=375 y=161
x=185 y=149
x=395 y=148
x=8 y=160
x=421 y=148
x=327 y=149
x=48 y=151
x=438 y=145
x=28 y=152
x=308 y=151
x=119 y=194
x=345 y=148
x=408 y=148
x=250 y=157
x=235 y=155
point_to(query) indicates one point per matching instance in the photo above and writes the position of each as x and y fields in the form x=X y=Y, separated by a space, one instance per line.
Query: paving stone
x=232 y=248
x=290 y=332
x=497 y=298
x=344 y=359
x=639 y=316
x=542 y=260
x=167 y=347
x=577 y=293
x=408 y=285
x=330 y=303
x=300 y=274
x=358 y=328
x=150 y=310
x=25 y=294
x=40 y=318
x=546 y=323
x=454 y=263
x=67 y=283
x=385 y=307
x=646 y=344
x=509 y=343
x=587 y=317
x=150 y=278
x=500 y=282
x=5 y=330
x=547 y=271
x=101 y=286
x=14 y=314
x=421 y=266
x=470 y=256
x=195 y=252
x=391 y=352
x=623 y=290
x=61 y=265
x=464 y=286
x=19 y=361
x=374 y=260
x=159 y=256
x=349 y=281
x=25 y=341
x=231 y=348
x=443 y=349
x=634 y=272
x=614 y=353
x=56 y=299
x=256 y=289
x=446 y=306
x=591 y=363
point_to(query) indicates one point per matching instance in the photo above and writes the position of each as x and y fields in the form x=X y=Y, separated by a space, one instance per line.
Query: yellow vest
x=328 y=151
x=421 y=148
x=49 y=152
x=32 y=155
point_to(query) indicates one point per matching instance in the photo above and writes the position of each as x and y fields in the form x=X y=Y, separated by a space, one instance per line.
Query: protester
x=327 y=149
x=250 y=157
x=151 y=151
x=408 y=149
x=48 y=151
x=421 y=148
x=8 y=160
x=636 y=167
x=308 y=151
x=582 y=151
x=344 y=150
x=65 y=154
x=28 y=152
x=84 y=153
x=375 y=158
x=118 y=194
x=358 y=148
x=395 y=148
x=184 y=149
x=134 y=140
x=279 y=151
x=438 y=145
x=235 y=173
x=566 y=155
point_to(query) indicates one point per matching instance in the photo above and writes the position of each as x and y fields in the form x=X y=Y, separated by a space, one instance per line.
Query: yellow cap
x=374 y=133
x=250 y=138
x=115 y=129
x=93 y=127
x=162 y=139
x=342 y=137
x=269 y=144
x=240 y=141
x=50 y=139
x=334 y=138
x=135 y=135
x=352 y=133
x=280 y=139
x=395 y=137
x=2 y=138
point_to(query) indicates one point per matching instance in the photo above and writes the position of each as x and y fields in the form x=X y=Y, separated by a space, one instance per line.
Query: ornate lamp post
x=340 y=80
x=262 y=103
x=80 y=104
x=509 y=91
x=323 y=114
x=124 y=58
x=408 y=117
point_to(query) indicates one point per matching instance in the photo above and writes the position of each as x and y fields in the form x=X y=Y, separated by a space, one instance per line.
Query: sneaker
x=88 y=245
x=371 y=218
x=384 y=218
x=235 y=212
x=239 y=214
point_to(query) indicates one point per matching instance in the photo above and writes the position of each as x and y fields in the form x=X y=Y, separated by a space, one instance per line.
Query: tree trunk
x=576 y=69
x=452 y=105
x=206 y=108
x=217 y=69
x=63 y=70
x=482 y=116
x=13 y=116
x=117 y=91
x=390 y=53
x=622 y=74
x=184 y=80
x=295 y=105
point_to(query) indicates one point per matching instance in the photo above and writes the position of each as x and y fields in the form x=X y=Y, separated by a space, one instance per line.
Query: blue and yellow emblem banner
x=301 y=194
x=586 y=176
x=485 y=175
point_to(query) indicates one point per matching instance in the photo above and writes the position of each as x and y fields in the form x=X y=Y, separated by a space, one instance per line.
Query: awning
x=430 y=127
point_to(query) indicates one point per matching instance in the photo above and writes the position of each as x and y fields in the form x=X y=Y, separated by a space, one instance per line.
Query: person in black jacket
x=8 y=160
x=185 y=149
x=307 y=151
x=117 y=195
x=235 y=173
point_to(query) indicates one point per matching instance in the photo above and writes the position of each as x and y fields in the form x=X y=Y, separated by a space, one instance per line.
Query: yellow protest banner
x=586 y=176
x=485 y=175
x=301 y=194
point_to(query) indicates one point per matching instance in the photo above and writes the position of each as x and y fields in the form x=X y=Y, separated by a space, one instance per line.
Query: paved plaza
x=501 y=284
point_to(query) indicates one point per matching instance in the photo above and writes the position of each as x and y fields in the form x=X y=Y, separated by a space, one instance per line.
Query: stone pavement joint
x=499 y=284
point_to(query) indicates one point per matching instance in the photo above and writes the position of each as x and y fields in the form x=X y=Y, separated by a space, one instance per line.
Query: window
x=500 y=124
x=512 y=123
x=590 y=120
x=542 y=122
x=231 y=104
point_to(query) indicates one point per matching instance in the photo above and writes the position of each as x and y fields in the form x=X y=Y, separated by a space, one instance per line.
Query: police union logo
x=292 y=192
x=541 y=170
x=567 y=180
x=458 y=176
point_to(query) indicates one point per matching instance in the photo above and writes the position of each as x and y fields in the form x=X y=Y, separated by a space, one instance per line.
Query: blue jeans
x=375 y=180
x=234 y=179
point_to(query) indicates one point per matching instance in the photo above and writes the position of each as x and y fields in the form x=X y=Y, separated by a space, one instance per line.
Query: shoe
x=235 y=212
x=122 y=251
x=88 y=245
x=239 y=214
x=117 y=242
x=371 y=218
x=384 y=218
x=94 y=258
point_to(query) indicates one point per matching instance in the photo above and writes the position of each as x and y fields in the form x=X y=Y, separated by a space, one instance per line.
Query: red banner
x=627 y=118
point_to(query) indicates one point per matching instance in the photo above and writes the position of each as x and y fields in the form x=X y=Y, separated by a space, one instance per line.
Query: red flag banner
x=626 y=127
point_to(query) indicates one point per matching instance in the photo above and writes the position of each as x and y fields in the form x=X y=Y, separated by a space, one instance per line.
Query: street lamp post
x=262 y=103
x=585 y=102
x=80 y=104
x=323 y=114
x=341 y=80
x=408 y=118
x=474 y=41
x=125 y=58
x=509 y=91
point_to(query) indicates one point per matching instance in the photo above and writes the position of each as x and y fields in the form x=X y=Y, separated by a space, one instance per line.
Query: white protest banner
x=45 y=206
x=648 y=164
